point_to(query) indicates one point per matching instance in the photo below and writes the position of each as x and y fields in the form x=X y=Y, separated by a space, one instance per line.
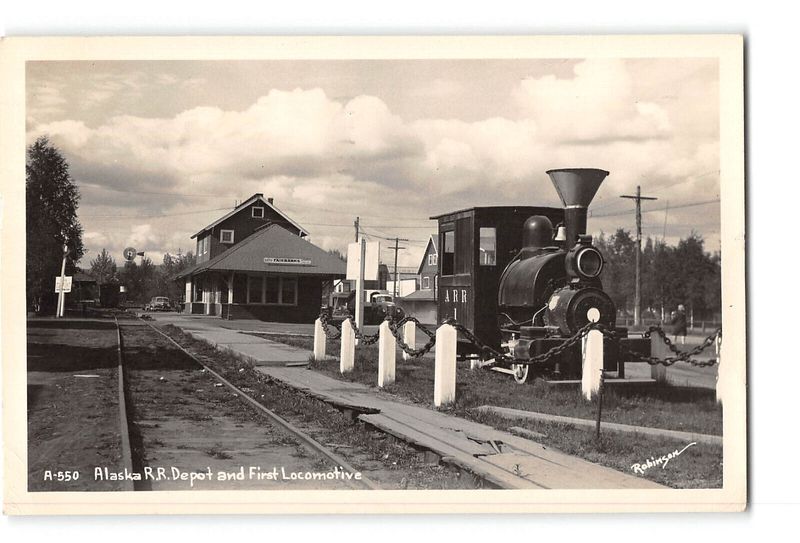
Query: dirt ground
x=183 y=419
x=73 y=412
x=389 y=462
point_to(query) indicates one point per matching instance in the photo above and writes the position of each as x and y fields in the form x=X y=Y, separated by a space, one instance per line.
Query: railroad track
x=285 y=426
x=127 y=453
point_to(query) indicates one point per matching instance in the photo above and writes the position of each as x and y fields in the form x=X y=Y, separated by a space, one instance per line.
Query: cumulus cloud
x=327 y=160
x=597 y=104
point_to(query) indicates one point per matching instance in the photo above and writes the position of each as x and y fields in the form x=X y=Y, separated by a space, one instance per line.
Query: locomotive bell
x=576 y=187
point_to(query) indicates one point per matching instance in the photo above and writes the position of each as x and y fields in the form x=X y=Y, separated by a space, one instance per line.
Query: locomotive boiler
x=525 y=279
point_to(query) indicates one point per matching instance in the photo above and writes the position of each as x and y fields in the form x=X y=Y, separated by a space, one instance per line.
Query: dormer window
x=257 y=212
x=226 y=236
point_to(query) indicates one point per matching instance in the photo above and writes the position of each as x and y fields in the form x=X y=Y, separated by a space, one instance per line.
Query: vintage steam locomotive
x=524 y=279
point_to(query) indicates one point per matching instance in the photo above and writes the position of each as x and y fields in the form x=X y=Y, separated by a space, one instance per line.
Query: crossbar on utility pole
x=637 y=304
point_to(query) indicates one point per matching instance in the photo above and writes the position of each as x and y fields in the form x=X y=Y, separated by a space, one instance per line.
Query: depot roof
x=258 y=197
x=273 y=249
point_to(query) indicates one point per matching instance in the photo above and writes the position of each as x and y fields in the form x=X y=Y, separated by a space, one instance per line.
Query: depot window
x=257 y=212
x=226 y=236
x=426 y=283
x=488 y=247
x=197 y=295
x=271 y=290
x=255 y=287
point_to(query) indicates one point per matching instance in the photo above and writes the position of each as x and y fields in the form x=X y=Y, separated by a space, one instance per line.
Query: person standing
x=678 y=323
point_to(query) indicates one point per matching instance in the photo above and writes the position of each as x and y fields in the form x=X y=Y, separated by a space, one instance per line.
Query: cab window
x=448 y=252
x=488 y=246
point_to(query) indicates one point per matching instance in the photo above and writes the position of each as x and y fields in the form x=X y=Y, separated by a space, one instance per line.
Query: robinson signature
x=660 y=461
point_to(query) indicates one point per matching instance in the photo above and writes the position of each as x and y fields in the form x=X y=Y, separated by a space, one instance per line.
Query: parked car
x=377 y=304
x=158 y=303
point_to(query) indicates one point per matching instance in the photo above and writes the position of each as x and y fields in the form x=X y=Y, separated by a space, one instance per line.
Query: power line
x=127 y=191
x=616 y=214
x=151 y=216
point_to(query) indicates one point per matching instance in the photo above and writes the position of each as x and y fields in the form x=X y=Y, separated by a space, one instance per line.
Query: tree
x=171 y=266
x=140 y=280
x=51 y=204
x=103 y=268
x=618 y=273
x=699 y=275
x=338 y=254
x=671 y=275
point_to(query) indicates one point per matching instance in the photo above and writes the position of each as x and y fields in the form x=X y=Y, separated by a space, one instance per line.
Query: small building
x=85 y=292
x=429 y=268
x=256 y=262
x=421 y=303
x=407 y=279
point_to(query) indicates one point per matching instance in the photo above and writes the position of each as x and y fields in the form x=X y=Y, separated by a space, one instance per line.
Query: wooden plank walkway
x=506 y=460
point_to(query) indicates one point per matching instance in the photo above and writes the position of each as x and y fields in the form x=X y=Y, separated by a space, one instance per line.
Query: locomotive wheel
x=520 y=373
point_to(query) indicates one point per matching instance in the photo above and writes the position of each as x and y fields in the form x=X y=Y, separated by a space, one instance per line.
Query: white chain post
x=444 y=377
x=387 y=347
x=409 y=337
x=592 y=354
x=659 y=349
x=347 y=355
x=319 y=340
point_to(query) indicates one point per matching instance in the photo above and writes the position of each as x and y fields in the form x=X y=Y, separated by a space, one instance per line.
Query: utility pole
x=359 y=295
x=637 y=320
x=396 y=248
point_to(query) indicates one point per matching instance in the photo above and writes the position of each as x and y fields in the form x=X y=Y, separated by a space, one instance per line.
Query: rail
x=307 y=440
x=127 y=453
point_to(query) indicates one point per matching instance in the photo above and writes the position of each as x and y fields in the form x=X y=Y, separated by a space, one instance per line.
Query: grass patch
x=700 y=466
x=667 y=407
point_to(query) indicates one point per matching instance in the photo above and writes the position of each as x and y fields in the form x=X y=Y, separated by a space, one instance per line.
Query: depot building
x=256 y=262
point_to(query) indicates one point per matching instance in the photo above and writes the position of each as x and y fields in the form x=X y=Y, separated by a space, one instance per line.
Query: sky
x=159 y=149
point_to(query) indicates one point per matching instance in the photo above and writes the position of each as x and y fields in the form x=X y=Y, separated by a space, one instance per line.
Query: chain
x=472 y=338
x=567 y=344
x=361 y=336
x=327 y=325
x=396 y=329
x=682 y=356
x=558 y=350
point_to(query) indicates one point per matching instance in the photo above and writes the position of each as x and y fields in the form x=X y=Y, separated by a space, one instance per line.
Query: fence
x=402 y=334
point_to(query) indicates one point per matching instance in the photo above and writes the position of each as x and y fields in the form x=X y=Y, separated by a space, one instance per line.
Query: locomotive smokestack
x=576 y=187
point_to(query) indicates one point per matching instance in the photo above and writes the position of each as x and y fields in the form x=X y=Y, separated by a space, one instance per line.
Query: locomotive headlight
x=589 y=262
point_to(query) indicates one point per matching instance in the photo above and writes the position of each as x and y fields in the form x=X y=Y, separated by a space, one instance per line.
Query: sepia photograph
x=341 y=267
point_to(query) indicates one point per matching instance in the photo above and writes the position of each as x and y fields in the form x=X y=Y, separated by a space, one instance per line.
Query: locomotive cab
x=475 y=246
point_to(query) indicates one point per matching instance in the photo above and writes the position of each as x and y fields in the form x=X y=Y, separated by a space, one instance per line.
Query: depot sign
x=287 y=261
